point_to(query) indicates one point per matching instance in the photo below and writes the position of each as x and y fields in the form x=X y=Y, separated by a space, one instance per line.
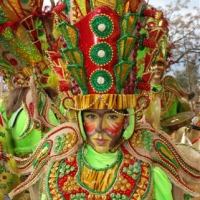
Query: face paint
x=103 y=128
x=113 y=123
x=90 y=122
x=158 y=69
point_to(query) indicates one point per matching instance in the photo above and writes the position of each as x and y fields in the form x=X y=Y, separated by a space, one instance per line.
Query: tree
x=184 y=39
x=189 y=79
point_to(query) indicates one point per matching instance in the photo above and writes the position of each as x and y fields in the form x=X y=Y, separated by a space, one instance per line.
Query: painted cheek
x=89 y=128
x=115 y=128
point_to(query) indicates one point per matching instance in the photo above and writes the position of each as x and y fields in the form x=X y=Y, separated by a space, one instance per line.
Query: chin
x=101 y=149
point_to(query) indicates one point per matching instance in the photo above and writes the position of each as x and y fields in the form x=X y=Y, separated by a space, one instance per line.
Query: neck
x=156 y=81
x=99 y=160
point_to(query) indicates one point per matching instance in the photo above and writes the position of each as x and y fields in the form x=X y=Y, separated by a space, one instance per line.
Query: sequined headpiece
x=25 y=35
x=108 y=52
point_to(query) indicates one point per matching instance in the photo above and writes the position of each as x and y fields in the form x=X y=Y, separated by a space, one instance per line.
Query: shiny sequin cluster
x=101 y=80
x=142 y=138
x=133 y=170
x=3 y=18
x=64 y=142
x=65 y=169
x=102 y=26
x=101 y=53
x=26 y=53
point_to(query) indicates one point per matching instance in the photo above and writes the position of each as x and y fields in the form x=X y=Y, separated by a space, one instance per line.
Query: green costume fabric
x=158 y=87
x=7 y=180
x=170 y=103
x=99 y=160
x=162 y=185
x=18 y=123
x=176 y=105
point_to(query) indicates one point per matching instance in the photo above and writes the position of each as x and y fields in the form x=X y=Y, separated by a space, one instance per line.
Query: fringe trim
x=105 y=101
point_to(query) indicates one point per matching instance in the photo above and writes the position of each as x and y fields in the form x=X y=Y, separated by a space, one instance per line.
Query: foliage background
x=184 y=34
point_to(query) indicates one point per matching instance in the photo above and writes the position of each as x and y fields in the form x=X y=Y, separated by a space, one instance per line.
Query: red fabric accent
x=149 y=43
x=44 y=79
x=155 y=35
x=87 y=39
x=64 y=86
x=31 y=109
x=144 y=86
x=27 y=23
x=34 y=34
x=55 y=56
x=60 y=7
x=1 y=120
x=59 y=71
x=149 y=13
x=196 y=140
x=146 y=77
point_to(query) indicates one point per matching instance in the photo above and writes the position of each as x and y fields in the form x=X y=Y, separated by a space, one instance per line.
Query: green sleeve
x=52 y=118
x=162 y=185
x=184 y=106
x=43 y=197
x=26 y=144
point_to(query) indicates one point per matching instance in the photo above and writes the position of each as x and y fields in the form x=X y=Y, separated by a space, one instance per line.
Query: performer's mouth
x=158 y=71
x=101 y=142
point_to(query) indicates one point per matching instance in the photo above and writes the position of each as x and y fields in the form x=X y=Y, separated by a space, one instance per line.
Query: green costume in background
x=20 y=136
x=172 y=98
x=8 y=180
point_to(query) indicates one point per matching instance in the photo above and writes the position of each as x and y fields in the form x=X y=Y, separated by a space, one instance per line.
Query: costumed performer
x=106 y=154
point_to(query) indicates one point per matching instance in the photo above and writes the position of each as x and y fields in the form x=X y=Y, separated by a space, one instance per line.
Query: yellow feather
x=56 y=32
x=53 y=80
x=153 y=113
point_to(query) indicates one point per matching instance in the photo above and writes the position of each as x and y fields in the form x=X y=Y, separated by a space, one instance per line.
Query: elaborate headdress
x=109 y=49
x=163 y=52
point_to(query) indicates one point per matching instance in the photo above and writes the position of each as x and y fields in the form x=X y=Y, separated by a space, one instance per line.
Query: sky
x=162 y=3
x=157 y=3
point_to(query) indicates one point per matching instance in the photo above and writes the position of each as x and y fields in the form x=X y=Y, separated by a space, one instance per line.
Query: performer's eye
x=113 y=117
x=91 y=116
